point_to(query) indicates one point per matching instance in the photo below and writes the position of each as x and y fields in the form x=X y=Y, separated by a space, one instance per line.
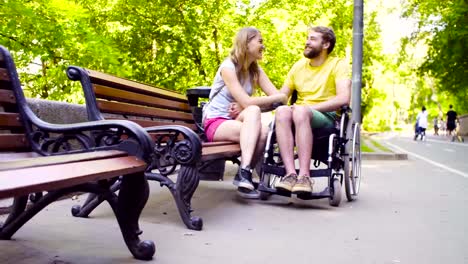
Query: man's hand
x=234 y=110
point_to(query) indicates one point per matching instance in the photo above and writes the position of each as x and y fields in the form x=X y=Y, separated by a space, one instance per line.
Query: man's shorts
x=322 y=119
x=451 y=126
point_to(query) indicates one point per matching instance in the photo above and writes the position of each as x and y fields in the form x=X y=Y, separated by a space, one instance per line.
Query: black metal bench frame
x=176 y=146
x=55 y=143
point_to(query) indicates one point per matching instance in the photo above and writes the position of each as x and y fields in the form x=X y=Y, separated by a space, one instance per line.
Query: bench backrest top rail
x=107 y=95
x=125 y=84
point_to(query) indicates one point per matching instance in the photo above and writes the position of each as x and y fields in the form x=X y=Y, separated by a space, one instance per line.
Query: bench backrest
x=23 y=134
x=12 y=129
x=111 y=97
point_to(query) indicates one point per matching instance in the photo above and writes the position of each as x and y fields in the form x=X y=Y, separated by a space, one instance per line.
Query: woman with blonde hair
x=233 y=114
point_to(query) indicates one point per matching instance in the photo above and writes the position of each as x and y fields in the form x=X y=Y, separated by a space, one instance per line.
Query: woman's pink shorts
x=211 y=124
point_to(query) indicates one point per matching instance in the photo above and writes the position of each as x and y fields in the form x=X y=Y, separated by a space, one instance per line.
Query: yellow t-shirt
x=316 y=84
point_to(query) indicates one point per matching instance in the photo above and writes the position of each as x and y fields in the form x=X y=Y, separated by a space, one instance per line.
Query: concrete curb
x=383 y=156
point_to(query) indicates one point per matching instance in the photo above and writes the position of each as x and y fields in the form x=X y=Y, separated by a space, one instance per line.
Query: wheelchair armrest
x=345 y=109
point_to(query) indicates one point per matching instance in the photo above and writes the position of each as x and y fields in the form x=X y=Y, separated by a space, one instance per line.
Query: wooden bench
x=111 y=97
x=52 y=161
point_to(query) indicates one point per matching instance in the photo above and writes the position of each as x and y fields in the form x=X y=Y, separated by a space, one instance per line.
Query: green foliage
x=443 y=26
x=54 y=34
x=176 y=45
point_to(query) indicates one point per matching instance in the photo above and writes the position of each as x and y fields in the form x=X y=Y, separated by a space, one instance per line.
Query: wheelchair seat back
x=320 y=142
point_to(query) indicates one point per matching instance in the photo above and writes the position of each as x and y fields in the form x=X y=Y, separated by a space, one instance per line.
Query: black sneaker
x=248 y=194
x=243 y=179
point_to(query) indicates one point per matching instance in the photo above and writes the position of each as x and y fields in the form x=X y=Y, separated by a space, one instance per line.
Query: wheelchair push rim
x=353 y=165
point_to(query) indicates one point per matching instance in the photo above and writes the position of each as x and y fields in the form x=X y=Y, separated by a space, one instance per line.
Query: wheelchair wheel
x=352 y=165
x=335 y=200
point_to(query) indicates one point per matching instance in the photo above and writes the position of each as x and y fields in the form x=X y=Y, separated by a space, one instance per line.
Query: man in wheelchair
x=323 y=85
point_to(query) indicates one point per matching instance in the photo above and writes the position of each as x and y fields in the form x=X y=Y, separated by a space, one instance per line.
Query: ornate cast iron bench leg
x=133 y=195
x=187 y=182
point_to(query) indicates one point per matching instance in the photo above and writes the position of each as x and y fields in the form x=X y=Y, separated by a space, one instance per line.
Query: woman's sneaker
x=243 y=179
x=303 y=185
x=287 y=182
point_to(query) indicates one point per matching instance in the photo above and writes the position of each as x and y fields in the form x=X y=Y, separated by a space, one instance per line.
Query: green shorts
x=322 y=119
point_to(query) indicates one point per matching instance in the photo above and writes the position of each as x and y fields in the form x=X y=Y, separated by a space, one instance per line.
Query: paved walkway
x=388 y=224
x=235 y=231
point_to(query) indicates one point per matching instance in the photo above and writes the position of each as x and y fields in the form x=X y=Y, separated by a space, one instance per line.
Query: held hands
x=278 y=100
x=282 y=98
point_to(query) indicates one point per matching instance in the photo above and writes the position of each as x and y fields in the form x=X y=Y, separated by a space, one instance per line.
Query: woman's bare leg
x=245 y=130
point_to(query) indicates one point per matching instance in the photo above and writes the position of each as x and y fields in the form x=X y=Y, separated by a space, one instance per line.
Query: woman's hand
x=234 y=110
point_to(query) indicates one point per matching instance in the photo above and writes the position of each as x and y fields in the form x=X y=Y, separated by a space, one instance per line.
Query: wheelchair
x=338 y=148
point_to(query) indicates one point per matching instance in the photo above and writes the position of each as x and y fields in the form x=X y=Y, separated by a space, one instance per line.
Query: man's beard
x=312 y=53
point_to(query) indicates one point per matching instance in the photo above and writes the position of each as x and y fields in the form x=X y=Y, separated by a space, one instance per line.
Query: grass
x=380 y=146
x=365 y=148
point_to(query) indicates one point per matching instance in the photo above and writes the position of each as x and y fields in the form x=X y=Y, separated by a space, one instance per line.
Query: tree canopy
x=180 y=44
x=443 y=27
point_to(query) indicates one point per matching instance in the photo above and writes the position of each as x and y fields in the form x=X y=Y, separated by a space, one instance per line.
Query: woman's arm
x=240 y=95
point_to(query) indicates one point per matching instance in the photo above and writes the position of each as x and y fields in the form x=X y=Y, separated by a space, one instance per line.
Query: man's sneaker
x=287 y=182
x=303 y=185
x=248 y=194
x=243 y=179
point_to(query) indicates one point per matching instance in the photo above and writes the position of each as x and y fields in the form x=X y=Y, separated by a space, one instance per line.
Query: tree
x=443 y=26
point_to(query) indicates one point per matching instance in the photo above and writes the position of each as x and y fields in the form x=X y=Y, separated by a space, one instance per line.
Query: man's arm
x=343 y=97
x=286 y=90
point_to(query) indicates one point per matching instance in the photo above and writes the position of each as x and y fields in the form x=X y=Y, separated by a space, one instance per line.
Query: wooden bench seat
x=47 y=173
x=111 y=97
x=49 y=161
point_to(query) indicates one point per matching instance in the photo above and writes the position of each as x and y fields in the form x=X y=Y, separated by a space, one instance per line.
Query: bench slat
x=127 y=109
x=30 y=180
x=62 y=159
x=222 y=151
x=218 y=143
x=7 y=96
x=150 y=123
x=10 y=120
x=102 y=78
x=139 y=99
x=4 y=156
x=13 y=142
x=3 y=74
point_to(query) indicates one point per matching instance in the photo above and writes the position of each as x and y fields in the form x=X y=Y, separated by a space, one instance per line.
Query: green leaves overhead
x=173 y=44
x=443 y=27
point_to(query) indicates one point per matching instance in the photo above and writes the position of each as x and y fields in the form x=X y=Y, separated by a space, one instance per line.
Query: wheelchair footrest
x=280 y=171
x=315 y=195
x=307 y=196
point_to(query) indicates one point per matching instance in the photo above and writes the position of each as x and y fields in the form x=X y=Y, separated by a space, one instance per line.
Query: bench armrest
x=55 y=139
x=193 y=94
x=178 y=142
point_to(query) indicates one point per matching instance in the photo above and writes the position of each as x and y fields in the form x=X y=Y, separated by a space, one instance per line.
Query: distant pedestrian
x=443 y=127
x=456 y=133
x=451 y=120
x=436 y=126
x=421 y=124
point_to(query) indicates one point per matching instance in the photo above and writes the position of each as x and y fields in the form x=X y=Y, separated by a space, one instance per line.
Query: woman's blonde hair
x=239 y=55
